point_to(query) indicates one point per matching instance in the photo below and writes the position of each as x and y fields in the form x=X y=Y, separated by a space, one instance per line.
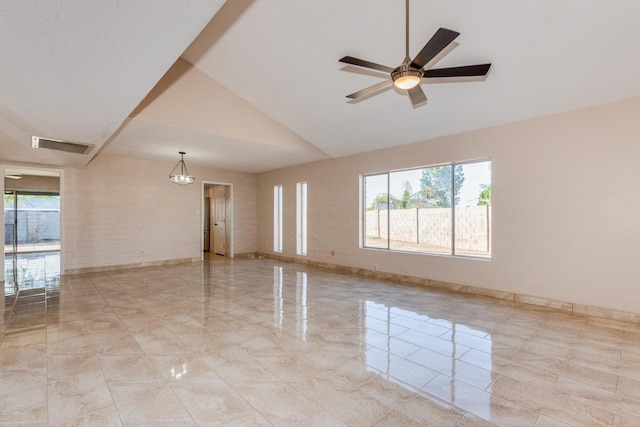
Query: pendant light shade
x=180 y=174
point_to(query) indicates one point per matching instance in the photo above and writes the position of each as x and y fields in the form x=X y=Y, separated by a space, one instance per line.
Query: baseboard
x=563 y=306
x=104 y=268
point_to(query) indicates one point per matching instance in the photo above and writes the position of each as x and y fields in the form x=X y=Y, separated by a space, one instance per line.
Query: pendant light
x=180 y=174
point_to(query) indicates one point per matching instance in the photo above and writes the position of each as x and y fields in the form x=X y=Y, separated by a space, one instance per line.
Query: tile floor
x=261 y=342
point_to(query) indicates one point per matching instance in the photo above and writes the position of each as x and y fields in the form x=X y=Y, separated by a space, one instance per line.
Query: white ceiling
x=74 y=70
x=261 y=87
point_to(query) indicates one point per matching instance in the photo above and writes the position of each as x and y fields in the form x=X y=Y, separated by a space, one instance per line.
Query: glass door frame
x=49 y=172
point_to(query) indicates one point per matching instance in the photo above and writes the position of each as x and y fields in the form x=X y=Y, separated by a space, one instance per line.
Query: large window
x=443 y=209
x=301 y=218
x=277 y=218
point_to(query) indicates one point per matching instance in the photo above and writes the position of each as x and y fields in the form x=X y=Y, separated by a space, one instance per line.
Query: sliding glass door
x=31 y=222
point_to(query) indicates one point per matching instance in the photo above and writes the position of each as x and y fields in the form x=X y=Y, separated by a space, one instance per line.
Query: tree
x=435 y=185
x=383 y=202
x=406 y=195
x=484 y=198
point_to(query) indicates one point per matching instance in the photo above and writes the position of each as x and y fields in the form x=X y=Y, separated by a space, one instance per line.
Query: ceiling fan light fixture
x=409 y=75
x=406 y=77
x=180 y=175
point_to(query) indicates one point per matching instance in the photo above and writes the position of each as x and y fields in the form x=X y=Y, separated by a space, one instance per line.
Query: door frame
x=60 y=172
x=229 y=221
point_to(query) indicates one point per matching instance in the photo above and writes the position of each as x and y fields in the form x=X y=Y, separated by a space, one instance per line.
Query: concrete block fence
x=432 y=226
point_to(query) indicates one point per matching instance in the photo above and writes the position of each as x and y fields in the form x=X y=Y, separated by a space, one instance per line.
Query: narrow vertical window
x=301 y=218
x=277 y=218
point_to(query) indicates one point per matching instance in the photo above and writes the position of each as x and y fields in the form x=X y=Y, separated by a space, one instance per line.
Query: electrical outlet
x=141 y=251
x=333 y=253
x=375 y=267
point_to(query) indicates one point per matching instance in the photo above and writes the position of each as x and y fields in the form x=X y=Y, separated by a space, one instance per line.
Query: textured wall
x=35 y=226
x=431 y=226
x=565 y=207
x=117 y=207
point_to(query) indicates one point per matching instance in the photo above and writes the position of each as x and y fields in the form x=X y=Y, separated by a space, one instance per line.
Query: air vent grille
x=55 y=144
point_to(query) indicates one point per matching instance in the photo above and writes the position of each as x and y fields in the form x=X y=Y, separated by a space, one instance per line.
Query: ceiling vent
x=56 y=144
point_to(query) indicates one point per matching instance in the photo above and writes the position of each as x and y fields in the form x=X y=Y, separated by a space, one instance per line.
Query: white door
x=219 y=219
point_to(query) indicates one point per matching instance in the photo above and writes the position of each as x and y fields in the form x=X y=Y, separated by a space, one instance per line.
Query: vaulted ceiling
x=255 y=85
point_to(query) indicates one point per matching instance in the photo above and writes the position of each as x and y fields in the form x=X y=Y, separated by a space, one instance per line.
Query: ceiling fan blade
x=417 y=96
x=369 y=90
x=464 y=71
x=366 y=64
x=439 y=41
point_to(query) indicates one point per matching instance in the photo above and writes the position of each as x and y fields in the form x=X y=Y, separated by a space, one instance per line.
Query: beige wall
x=116 y=207
x=566 y=207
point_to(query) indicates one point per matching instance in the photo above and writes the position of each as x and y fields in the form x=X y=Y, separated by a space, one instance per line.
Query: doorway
x=217 y=219
x=32 y=228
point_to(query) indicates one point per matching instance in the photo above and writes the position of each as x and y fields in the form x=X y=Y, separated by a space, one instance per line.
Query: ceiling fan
x=410 y=73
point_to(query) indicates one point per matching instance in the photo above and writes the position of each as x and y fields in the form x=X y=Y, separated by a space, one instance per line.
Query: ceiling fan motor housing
x=406 y=76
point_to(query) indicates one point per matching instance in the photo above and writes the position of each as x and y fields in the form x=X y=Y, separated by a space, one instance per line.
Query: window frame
x=452 y=215
x=277 y=218
x=301 y=217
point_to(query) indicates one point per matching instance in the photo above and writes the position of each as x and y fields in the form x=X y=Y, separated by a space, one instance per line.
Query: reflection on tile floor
x=31 y=271
x=262 y=342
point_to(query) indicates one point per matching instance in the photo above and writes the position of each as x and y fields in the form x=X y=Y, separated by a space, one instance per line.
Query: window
x=442 y=209
x=301 y=218
x=277 y=218
x=473 y=209
x=376 y=219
